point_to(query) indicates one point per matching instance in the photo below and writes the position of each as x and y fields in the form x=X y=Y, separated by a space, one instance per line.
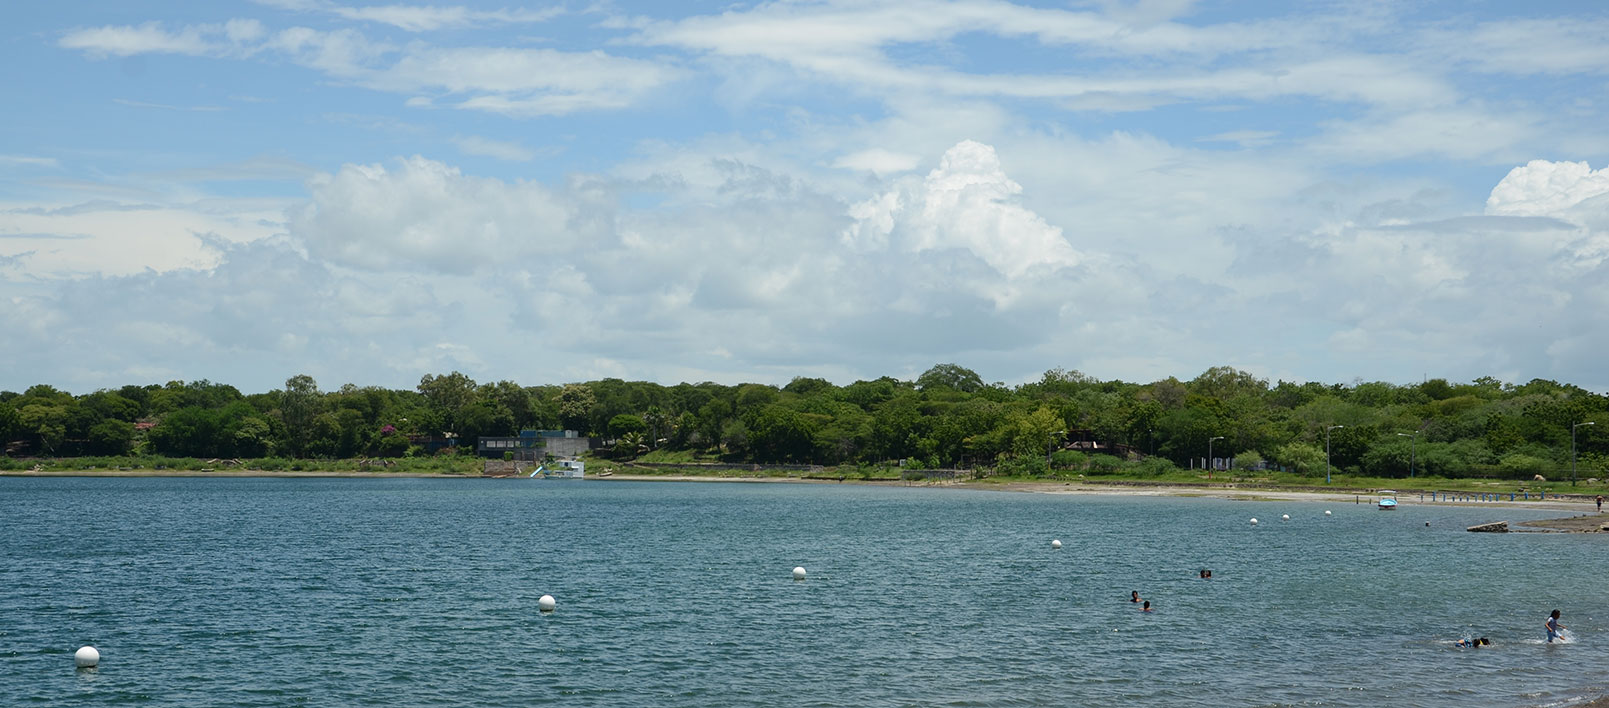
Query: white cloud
x=148 y=38
x=422 y=215
x=878 y=161
x=28 y=161
x=1545 y=188
x=486 y=147
x=514 y=82
x=966 y=203
x=419 y=18
x=76 y=240
x=525 y=82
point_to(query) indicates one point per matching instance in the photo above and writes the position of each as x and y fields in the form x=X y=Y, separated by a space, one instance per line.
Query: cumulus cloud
x=1546 y=188
x=423 y=215
x=966 y=203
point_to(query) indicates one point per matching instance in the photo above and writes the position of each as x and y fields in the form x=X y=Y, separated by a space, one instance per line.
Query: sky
x=750 y=192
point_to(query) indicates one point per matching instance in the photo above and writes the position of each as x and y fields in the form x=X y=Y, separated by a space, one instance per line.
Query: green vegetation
x=1064 y=426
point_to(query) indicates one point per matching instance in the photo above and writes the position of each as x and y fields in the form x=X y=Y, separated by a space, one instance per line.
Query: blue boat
x=1388 y=499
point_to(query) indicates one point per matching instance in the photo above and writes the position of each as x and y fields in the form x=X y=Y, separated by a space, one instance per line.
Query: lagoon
x=270 y=592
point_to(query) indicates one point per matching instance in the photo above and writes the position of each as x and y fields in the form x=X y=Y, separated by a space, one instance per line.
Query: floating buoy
x=1326 y=512
x=1285 y=517
x=1056 y=543
x=86 y=657
x=1253 y=521
x=546 y=603
x=799 y=573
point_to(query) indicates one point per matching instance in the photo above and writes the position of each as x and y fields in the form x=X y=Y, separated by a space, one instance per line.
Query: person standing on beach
x=1554 y=627
x=1600 y=503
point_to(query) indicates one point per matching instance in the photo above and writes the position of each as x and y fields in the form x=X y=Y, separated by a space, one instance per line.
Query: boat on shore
x=1388 y=499
x=563 y=469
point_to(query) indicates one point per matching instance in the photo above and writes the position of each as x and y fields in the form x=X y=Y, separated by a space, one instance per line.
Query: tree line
x=946 y=417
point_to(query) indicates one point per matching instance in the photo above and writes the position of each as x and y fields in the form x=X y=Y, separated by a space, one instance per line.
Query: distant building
x=538 y=444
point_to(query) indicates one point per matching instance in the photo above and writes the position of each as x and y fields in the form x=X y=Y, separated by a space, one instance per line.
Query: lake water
x=272 y=592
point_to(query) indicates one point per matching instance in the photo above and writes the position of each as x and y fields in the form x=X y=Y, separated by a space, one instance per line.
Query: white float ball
x=546 y=603
x=1056 y=543
x=1284 y=517
x=86 y=657
x=799 y=573
x=1253 y=521
x=1326 y=512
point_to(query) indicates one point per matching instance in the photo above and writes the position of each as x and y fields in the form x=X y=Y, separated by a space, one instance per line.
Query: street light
x=1210 y=465
x=1412 y=443
x=1327 y=451
x=1572 y=448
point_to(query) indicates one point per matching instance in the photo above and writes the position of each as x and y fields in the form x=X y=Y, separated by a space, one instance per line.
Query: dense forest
x=947 y=417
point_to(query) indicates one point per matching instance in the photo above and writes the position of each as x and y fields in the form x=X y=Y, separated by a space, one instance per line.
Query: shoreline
x=1584 y=519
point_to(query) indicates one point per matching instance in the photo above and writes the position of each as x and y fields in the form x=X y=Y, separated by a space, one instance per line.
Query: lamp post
x=1572 y=448
x=1327 y=451
x=1413 y=441
x=1210 y=465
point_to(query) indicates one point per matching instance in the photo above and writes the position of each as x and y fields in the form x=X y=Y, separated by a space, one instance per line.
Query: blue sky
x=554 y=192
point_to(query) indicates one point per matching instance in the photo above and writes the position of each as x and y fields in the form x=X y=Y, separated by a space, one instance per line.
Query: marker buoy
x=1253 y=521
x=1285 y=517
x=86 y=657
x=1056 y=543
x=1326 y=512
x=799 y=573
x=546 y=603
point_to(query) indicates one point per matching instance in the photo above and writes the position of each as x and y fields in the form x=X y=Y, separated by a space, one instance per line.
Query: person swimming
x=1206 y=574
x=1134 y=596
x=1473 y=643
x=1146 y=607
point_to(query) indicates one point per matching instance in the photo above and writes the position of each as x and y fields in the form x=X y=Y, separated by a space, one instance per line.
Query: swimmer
x=1146 y=607
x=1134 y=596
x=1554 y=627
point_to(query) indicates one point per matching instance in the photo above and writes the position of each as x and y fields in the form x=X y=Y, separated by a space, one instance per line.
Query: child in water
x=1554 y=627
x=1146 y=607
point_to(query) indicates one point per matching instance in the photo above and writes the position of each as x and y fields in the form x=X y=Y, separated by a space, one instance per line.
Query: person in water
x=1473 y=643
x=1134 y=596
x=1554 y=627
x=1206 y=574
x=1146 y=607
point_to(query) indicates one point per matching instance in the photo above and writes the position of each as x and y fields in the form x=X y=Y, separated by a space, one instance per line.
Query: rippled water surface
x=270 y=592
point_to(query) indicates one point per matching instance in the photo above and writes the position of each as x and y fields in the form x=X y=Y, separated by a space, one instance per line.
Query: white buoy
x=1253 y=521
x=1326 y=512
x=1284 y=517
x=546 y=603
x=86 y=657
x=798 y=573
x=1056 y=543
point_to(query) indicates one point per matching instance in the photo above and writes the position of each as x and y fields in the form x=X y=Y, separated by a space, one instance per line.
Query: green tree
x=626 y=423
x=111 y=437
x=575 y=406
x=299 y=405
x=950 y=376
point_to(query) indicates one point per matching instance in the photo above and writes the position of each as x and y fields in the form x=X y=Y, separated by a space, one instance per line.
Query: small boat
x=563 y=469
x=1388 y=500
